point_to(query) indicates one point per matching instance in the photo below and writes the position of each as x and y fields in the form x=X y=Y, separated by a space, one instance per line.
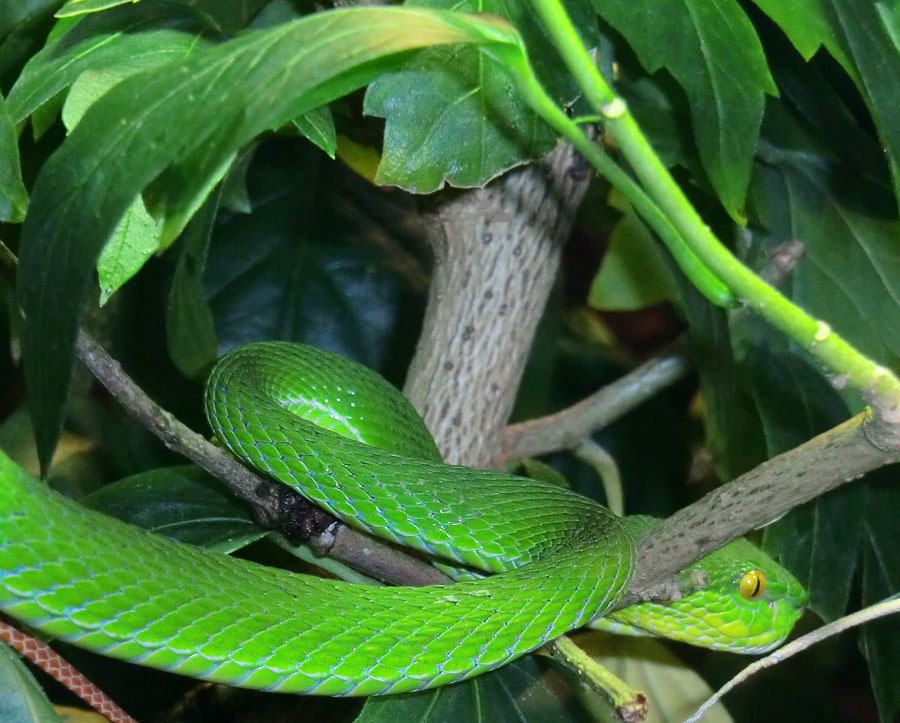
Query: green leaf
x=82 y=7
x=22 y=29
x=13 y=196
x=14 y=15
x=22 y=700
x=712 y=50
x=453 y=116
x=869 y=29
x=318 y=127
x=818 y=541
x=181 y=503
x=120 y=42
x=516 y=693
x=87 y=88
x=809 y=26
x=235 y=196
x=536 y=469
x=881 y=579
x=177 y=127
x=850 y=270
x=633 y=273
x=734 y=435
x=133 y=241
x=301 y=267
x=190 y=333
x=848 y=275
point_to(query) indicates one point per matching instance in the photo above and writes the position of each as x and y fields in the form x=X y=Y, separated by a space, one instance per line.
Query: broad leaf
x=123 y=41
x=181 y=503
x=517 y=693
x=819 y=542
x=303 y=266
x=13 y=196
x=828 y=541
x=850 y=270
x=318 y=127
x=190 y=333
x=673 y=689
x=874 y=50
x=712 y=50
x=809 y=25
x=881 y=579
x=848 y=274
x=22 y=27
x=22 y=700
x=176 y=128
x=133 y=241
x=452 y=116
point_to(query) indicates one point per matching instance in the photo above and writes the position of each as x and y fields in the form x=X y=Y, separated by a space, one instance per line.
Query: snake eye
x=752 y=584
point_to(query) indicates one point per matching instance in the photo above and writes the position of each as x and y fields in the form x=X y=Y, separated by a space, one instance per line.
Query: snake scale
x=561 y=560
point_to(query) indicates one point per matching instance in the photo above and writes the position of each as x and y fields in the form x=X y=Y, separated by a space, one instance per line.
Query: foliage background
x=782 y=124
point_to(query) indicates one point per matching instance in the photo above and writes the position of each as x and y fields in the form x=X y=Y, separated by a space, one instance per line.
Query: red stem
x=58 y=668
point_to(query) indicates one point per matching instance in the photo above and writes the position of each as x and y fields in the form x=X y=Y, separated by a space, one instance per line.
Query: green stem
x=879 y=386
x=516 y=62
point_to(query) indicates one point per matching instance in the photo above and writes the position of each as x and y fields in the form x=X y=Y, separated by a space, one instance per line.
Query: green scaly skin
x=104 y=585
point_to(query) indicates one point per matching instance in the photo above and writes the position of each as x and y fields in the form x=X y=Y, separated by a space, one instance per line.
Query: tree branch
x=274 y=505
x=496 y=251
x=755 y=499
x=567 y=428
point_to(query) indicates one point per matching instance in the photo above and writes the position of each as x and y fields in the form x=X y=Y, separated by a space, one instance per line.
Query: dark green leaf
x=809 y=25
x=181 y=503
x=123 y=41
x=178 y=127
x=235 y=196
x=881 y=579
x=517 y=693
x=22 y=27
x=848 y=275
x=850 y=270
x=819 y=541
x=734 y=436
x=190 y=333
x=13 y=196
x=302 y=265
x=454 y=117
x=712 y=50
x=15 y=15
x=536 y=469
x=876 y=54
x=22 y=700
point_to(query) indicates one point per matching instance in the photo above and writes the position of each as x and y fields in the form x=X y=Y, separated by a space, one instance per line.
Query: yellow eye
x=752 y=584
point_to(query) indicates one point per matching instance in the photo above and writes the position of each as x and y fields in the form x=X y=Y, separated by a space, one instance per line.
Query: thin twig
x=890 y=606
x=607 y=470
x=274 y=505
x=567 y=428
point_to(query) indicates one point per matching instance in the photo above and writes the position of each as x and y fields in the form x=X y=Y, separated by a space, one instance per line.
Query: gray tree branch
x=496 y=251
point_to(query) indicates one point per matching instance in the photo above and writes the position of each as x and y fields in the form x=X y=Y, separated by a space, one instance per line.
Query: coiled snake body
x=564 y=560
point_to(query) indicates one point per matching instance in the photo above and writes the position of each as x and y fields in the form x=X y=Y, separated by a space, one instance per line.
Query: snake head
x=746 y=603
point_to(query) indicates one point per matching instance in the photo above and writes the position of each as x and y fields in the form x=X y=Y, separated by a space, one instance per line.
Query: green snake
x=348 y=441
